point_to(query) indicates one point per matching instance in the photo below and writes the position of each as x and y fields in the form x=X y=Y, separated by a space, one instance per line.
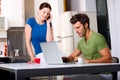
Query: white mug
x=80 y=60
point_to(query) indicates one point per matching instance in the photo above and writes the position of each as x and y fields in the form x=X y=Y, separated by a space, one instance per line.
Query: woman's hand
x=49 y=19
x=32 y=60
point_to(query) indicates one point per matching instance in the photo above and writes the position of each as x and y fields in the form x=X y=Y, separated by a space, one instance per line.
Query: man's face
x=79 y=28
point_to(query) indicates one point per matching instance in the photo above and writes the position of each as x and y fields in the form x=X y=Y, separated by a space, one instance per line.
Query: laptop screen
x=51 y=52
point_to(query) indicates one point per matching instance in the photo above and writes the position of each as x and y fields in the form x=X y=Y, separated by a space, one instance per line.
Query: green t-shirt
x=91 y=47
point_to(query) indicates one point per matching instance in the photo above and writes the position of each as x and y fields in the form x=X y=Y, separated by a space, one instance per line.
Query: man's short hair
x=82 y=18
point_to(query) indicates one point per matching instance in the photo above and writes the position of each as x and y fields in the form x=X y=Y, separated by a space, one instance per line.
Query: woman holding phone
x=38 y=29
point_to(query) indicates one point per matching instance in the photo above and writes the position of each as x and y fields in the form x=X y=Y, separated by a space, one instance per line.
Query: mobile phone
x=48 y=17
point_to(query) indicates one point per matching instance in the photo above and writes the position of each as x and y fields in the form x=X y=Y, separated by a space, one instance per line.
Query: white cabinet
x=13 y=11
x=3 y=36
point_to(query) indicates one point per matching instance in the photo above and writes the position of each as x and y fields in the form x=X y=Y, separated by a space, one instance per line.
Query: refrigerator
x=67 y=37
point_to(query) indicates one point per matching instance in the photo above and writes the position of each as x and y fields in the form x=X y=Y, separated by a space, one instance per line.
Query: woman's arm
x=28 y=42
x=49 y=36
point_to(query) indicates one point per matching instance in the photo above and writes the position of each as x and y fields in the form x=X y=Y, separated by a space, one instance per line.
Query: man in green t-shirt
x=92 y=45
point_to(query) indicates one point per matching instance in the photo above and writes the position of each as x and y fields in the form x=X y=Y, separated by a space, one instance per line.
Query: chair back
x=115 y=60
x=115 y=74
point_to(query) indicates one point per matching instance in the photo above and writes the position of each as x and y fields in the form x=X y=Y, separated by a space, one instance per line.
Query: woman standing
x=38 y=29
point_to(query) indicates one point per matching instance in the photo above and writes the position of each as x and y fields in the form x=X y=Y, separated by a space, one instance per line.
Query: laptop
x=52 y=53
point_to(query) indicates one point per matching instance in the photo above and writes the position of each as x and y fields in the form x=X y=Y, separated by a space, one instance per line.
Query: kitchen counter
x=5 y=60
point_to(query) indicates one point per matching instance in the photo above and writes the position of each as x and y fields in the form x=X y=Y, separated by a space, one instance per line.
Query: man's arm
x=106 y=57
x=71 y=57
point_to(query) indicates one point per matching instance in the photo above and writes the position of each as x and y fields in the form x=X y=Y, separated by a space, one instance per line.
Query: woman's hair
x=82 y=18
x=45 y=5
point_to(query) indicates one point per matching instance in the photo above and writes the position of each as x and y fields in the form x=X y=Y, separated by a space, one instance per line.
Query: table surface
x=21 y=66
x=32 y=70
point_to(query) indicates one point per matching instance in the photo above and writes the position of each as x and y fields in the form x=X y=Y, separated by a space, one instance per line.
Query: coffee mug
x=37 y=60
x=80 y=60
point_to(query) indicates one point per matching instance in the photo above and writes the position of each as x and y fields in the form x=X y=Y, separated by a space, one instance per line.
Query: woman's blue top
x=38 y=33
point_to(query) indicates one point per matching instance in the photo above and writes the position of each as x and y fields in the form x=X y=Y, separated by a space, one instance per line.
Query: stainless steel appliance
x=16 y=41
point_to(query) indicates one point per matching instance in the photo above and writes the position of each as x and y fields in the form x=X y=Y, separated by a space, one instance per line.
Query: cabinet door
x=14 y=11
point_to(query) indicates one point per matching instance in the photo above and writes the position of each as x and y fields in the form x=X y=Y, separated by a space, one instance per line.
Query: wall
x=37 y=4
x=114 y=11
x=75 y=5
x=114 y=21
x=83 y=5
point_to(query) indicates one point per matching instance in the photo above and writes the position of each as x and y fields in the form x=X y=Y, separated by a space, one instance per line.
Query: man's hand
x=76 y=59
x=65 y=59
